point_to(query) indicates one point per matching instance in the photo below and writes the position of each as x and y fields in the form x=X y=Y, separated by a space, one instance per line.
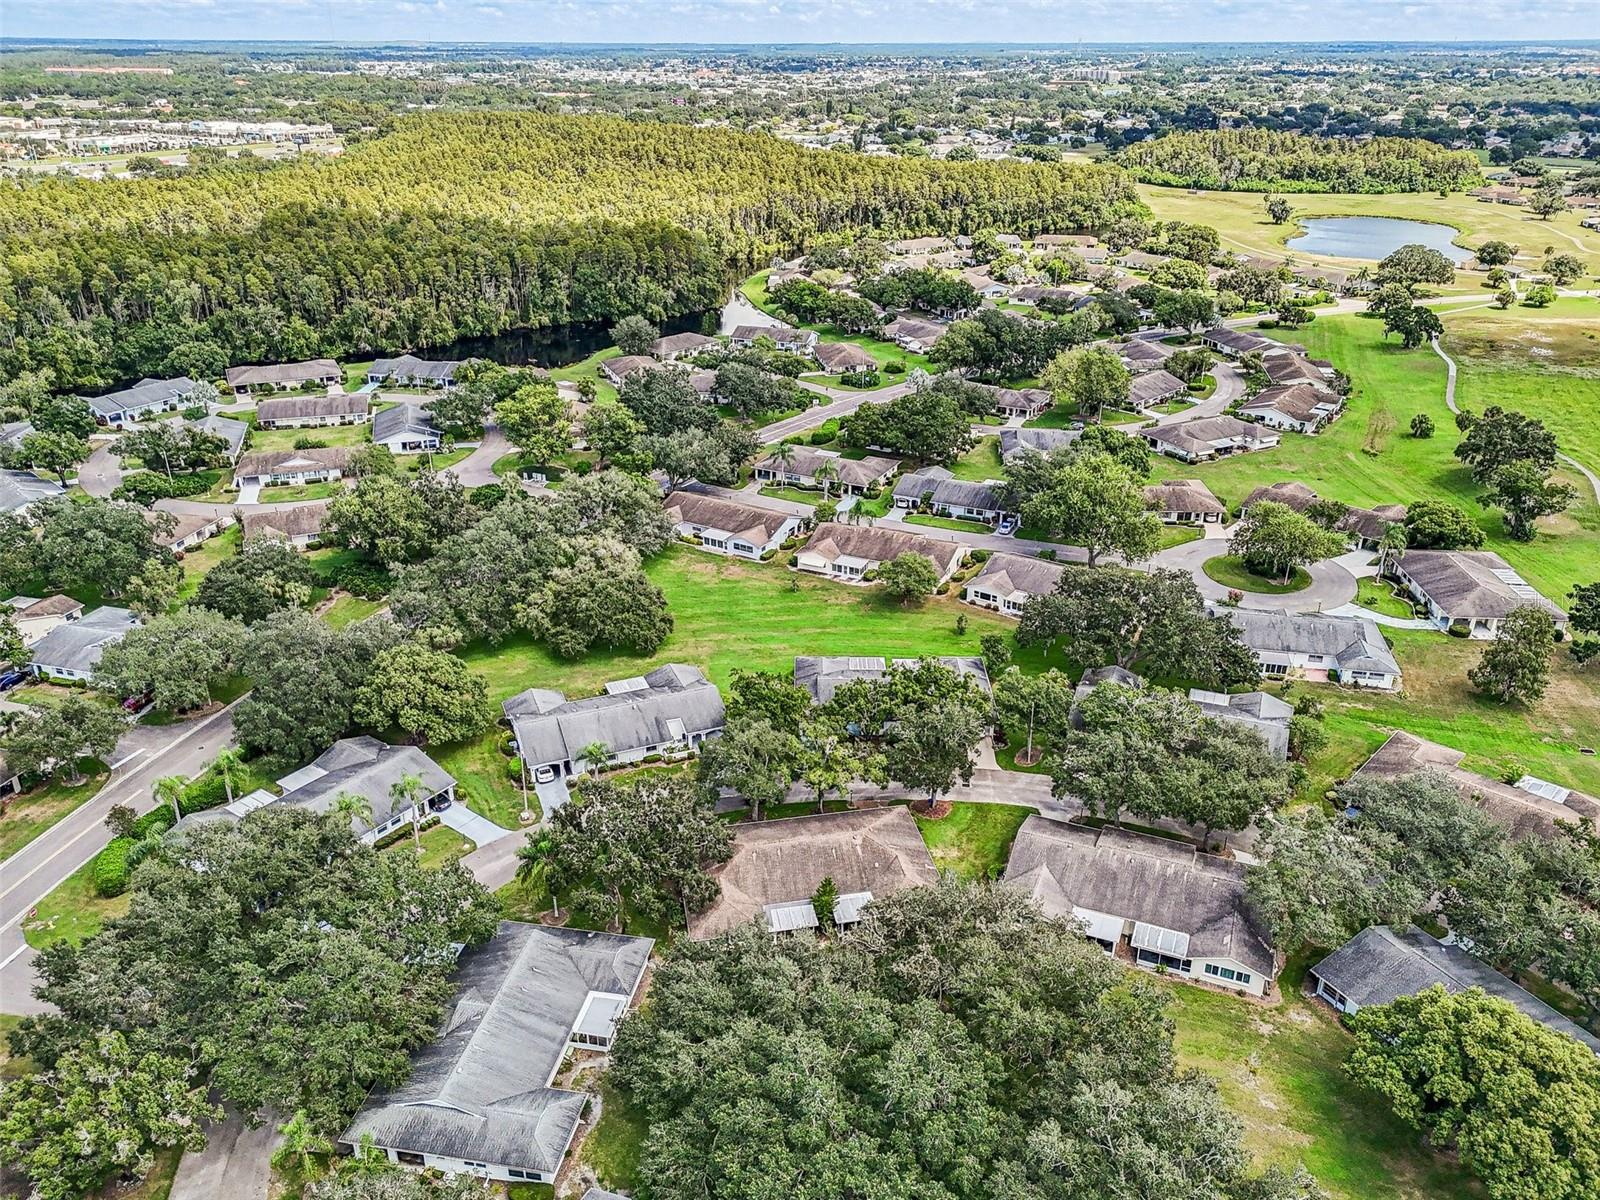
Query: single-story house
x=838 y=357
x=36 y=616
x=951 y=497
x=189 y=529
x=1139 y=260
x=980 y=281
x=1009 y=240
x=728 y=527
x=1235 y=343
x=1095 y=677
x=1046 y=241
x=1026 y=403
x=1265 y=715
x=406 y=429
x=1529 y=807
x=276 y=376
x=1008 y=581
x=1154 y=387
x=369 y=769
x=1365 y=526
x=1384 y=962
x=1315 y=646
x=921 y=245
x=1139 y=355
x=12 y=434
x=671 y=710
x=410 y=371
x=21 y=490
x=784 y=337
x=777 y=866
x=845 y=476
x=1035 y=441
x=617 y=370
x=822 y=675
x=304 y=412
x=72 y=651
x=117 y=409
x=1150 y=900
x=300 y=526
x=322 y=464
x=1476 y=588
x=480 y=1098
x=1301 y=407
x=231 y=431
x=1206 y=438
x=1297 y=368
x=1288 y=492
x=1186 y=502
x=1035 y=294
x=680 y=345
x=849 y=551
x=914 y=335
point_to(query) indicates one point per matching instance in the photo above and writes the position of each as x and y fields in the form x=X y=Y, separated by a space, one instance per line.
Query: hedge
x=145 y=487
x=110 y=870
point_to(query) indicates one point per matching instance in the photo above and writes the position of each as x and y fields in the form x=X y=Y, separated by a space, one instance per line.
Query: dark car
x=10 y=679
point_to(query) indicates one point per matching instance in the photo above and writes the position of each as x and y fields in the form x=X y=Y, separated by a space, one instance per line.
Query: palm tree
x=229 y=767
x=826 y=473
x=784 y=455
x=352 y=808
x=406 y=792
x=149 y=844
x=535 y=857
x=301 y=1144
x=170 y=791
x=595 y=755
x=1393 y=541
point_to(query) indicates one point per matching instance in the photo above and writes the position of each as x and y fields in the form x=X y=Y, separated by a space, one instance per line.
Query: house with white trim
x=118 y=409
x=1315 y=646
x=948 y=496
x=728 y=527
x=406 y=429
x=72 y=651
x=1476 y=589
x=273 y=377
x=273 y=468
x=310 y=412
x=849 y=552
x=1008 y=581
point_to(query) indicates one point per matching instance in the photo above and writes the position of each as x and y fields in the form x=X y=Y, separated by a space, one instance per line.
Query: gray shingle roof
x=821 y=675
x=365 y=767
x=290 y=408
x=77 y=645
x=410 y=367
x=876 y=850
x=1013 y=441
x=1382 y=963
x=1266 y=715
x=1153 y=387
x=481 y=1090
x=756 y=525
x=858 y=472
x=870 y=543
x=301 y=521
x=1008 y=574
x=947 y=491
x=1351 y=643
x=1140 y=878
x=267 y=462
x=147 y=393
x=1287 y=492
x=403 y=419
x=680 y=343
x=1301 y=401
x=1238 y=340
x=844 y=356
x=1471 y=583
x=666 y=706
x=628 y=364
x=312 y=369
x=21 y=489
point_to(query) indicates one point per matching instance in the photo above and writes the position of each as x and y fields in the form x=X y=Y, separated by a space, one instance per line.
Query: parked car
x=545 y=774
x=137 y=704
x=11 y=679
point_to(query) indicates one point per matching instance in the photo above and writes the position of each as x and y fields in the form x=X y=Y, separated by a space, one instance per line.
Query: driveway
x=1331 y=585
x=477 y=468
x=480 y=831
x=235 y=1165
x=101 y=473
x=552 y=795
x=249 y=492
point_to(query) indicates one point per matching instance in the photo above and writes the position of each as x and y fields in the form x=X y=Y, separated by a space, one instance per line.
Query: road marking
x=128 y=759
x=6 y=962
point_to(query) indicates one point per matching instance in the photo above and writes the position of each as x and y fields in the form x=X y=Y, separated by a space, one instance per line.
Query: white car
x=545 y=774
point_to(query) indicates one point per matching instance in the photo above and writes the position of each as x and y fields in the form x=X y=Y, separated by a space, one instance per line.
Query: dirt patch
x=931 y=810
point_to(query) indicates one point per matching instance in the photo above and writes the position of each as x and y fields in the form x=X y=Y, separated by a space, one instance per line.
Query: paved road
x=101 y=473
x=1230 y=386
x=32 y=873
x=1331 y=585
x=235 y=1165
x=477 y=468
x=838 y=404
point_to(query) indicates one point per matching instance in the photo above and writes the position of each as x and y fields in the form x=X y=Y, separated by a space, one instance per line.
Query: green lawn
x=755 y=290
x=73 y=912
x=1280 y=1071
x=206 y=555
x=348 y=609
x=974 y=841
x=612 y=1147
x=981 y=463
x=794 y=495
x=1381 y=598
x=440 y=845
x=1391 y=385
x=11 y=1068
x=948 y=523
x=438 y=461
x=280 y=493
x=1229 y=570
x=1177 y=535
x=30 y=814
x=1056 y=417
x=589 y=368
x=327 y=435
x=485 y=779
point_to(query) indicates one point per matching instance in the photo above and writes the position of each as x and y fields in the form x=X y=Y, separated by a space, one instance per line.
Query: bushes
x=826 y=432
x=364 y=579
x=146 y=487
x=110 y=871
x=396 y=835
x=307 y=442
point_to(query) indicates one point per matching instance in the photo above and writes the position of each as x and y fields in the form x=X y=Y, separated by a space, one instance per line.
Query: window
x=1227 y=973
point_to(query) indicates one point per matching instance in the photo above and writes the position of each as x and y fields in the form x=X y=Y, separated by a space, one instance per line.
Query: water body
x=1374 y=238
x=550 y=345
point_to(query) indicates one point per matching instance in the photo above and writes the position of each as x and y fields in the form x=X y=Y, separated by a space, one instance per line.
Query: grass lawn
x=1280 y=1070
x=484 y=779
x=980 y=463
x=280 y=493
x=974 y=841
x=731 y=614
x=327 y=435
x=796 y=495
x=1169 y=407
x=949 y=523
x=1229 y=570
x=348 y=609
x=589 y=368
x=1177 y=535
x=1057 y=417
x=612 y=1147
x=1380 y=597
x=11 y=1068
x=30 y=814
x=440 y=845
x=200 y=560
x=437 y=461
x=73 y=912
x=1368 y=457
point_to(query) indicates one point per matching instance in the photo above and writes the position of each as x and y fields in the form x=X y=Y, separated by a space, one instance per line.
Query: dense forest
x=1259 y=160
x=459 y=225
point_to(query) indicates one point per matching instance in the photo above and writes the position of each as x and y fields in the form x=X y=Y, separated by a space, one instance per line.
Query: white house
x=299 y=525
x=807 y=467
x=406 y=429
x=1301 y=407
x=189 y=529
x=72 y=651
x=35 y=616
x=410 y=371
x=1008 y=581
x=1185 y=502
x=1206 y=438
x=21 y=490
x=849 y=552
x=277 y=376
x=1315 y=647
x=148 y=396
x=951 y=497
x=1152 y=387
x=728 y=527
x=481 y=1098
x=277 y=467
x=1476 y=589
x=306 y=412
x=1161 y=903
x=911 y=334
x=1025 y=403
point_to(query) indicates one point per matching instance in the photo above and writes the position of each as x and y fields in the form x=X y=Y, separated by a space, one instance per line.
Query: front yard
x=30 y=814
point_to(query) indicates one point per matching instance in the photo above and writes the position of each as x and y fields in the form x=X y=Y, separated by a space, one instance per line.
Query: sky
x=791 y=21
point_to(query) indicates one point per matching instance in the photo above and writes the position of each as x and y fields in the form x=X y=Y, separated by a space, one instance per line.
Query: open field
x=1242 y=220
x=980 y=463
x=1279 y=1068
x=1390 y=386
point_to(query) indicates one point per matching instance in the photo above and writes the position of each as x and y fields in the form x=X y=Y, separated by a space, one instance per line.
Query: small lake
x=1374 y=238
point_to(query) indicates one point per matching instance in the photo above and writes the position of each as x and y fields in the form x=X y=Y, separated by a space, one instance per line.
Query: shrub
x=206 y=792
x=364 y=579
x=397 y=835
x=981 y=556
x=146 y=487
x=157 y=820
x=306 y=442
x=110 y=871
x=582 y=467
x=826 y=432
x=896 y=367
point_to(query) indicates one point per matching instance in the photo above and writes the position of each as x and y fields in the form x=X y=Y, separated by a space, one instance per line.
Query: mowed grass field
x=1368 y=456
x=1241 y=219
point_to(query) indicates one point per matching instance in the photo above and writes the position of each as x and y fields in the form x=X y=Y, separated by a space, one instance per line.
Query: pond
x=1374 y=238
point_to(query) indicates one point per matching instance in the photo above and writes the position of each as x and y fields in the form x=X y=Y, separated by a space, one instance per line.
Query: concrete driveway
x=477 y=468
x=480 y=831
x=249 y=492
x=101 y=472
x=1331 y=585
x=235 y=1165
